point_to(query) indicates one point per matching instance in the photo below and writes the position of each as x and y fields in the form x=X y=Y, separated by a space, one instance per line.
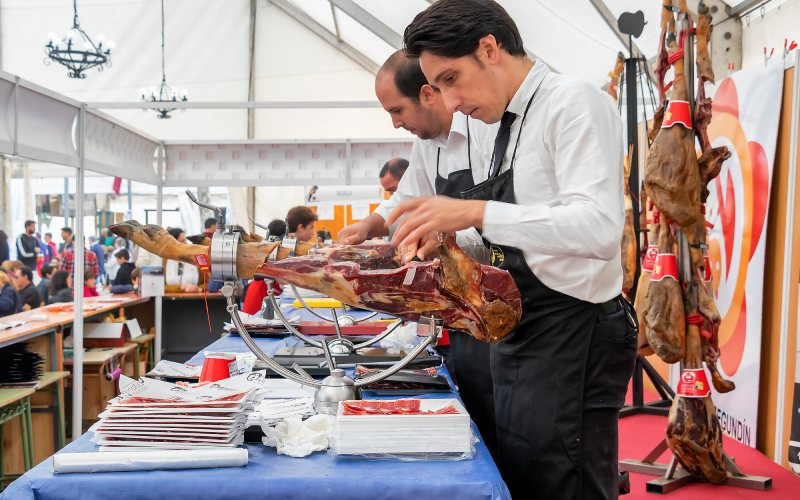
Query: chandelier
x=163 y=93
x=77 y=51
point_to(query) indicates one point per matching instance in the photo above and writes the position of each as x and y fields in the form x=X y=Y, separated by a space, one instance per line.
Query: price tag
x=202 y=262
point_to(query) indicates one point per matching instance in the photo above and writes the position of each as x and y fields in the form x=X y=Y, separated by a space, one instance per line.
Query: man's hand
x=433 y=214
x=423 y=249
x=354 y=234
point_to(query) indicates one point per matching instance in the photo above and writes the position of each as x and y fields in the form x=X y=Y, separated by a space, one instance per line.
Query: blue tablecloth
x=269 y=475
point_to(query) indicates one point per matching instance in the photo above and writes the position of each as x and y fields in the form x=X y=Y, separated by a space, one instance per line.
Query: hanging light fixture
x=163 y=93
x=77 y=51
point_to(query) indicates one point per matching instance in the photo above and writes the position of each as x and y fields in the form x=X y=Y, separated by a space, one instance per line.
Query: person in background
x=89 y=260
x=111 y=264
x=257 y=289
x=66 y=235
x=90 y=284
x=300 y=223
x=10 y=302
x=97 y=249
x=4 y=250
x=210 y=226
x=12 y=267
x=61 y=287
x=53 y=252
x=106 y=239
x=277 y=230
x=46 y=272
x=179 y=276
x=27 y=291
x=27 y=245
x=123 y=282
x=391 y=173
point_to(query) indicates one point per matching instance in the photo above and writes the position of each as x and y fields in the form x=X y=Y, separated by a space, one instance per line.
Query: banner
x=746 y=111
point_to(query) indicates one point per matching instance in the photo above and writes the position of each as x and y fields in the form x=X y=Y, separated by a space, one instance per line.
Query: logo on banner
x=741 y=188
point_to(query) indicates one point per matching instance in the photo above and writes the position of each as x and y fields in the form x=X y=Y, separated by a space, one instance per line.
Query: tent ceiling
x=208 y=52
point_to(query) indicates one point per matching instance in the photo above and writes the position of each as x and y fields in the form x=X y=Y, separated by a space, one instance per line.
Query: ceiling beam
x=602 y=9
x=372 y=23
x=234 y=105
x=745 y=6
x=312 y=25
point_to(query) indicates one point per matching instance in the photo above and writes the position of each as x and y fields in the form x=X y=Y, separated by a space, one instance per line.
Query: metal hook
x=219 y=212
x=265 y=228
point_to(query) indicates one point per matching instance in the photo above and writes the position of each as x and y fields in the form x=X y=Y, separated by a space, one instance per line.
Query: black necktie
x=501 y=142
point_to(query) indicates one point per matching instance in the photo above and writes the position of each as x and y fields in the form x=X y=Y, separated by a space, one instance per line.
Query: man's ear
x=488 y=50
x=427 y=94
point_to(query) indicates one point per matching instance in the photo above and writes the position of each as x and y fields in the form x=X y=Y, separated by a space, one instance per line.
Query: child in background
x=46 y=272
x=123 y=281
x=90 y=284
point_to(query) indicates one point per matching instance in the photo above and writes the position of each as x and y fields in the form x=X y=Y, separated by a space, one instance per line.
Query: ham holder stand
x=671 y=475
x=337 y=386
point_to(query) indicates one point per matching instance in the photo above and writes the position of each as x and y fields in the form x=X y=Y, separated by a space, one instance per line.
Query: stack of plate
x=19 y=366
x=406 y=427
x=152 y=414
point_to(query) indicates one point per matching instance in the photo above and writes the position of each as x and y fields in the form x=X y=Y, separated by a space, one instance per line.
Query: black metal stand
x=638 y=406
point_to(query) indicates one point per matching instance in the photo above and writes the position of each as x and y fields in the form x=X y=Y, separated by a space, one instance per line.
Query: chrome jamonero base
x=337 y=386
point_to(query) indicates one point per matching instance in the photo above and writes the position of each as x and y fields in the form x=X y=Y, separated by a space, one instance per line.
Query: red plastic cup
x=217 y=366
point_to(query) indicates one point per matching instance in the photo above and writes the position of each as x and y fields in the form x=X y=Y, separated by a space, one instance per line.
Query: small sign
x=693 y=383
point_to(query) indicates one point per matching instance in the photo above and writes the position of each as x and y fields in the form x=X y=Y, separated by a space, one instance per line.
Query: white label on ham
x=412 y=271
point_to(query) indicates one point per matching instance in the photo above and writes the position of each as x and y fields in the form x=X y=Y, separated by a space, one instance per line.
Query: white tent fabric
x=207 y=44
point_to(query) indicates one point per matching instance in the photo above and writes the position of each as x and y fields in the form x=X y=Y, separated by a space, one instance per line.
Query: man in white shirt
x=443 y=161
x=391 y=173
x=551 y=206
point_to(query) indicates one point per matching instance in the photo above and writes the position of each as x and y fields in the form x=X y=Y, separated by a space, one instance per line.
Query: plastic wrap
x=113 y=461
x=419 y=454
x=403 y=429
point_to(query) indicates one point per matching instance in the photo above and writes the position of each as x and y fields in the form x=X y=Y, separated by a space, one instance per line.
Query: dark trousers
x=470 y=358
x=558 y=387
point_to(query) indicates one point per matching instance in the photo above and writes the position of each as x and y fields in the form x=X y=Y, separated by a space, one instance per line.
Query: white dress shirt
x=570 y=212
x=420 y=177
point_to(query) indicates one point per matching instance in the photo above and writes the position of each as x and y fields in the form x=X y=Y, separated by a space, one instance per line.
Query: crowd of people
x=43 y=271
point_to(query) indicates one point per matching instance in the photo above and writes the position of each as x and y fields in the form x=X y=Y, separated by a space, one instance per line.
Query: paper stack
x=152 y=414
x=170 y=369
x=403 y=427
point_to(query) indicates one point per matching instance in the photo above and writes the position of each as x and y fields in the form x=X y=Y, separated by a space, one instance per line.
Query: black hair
x=408 y=76
x=59 y=281
x=45 y=270
x=26 y=271
x=396 y=166
x=209 y=222
x=67 y=230
x=123 y=254
x=277 y=228
x=49 y=234
x=28 y=223
x=453 y=28
x=175 y=232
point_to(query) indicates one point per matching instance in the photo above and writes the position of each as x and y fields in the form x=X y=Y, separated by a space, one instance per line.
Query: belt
x=611 y=306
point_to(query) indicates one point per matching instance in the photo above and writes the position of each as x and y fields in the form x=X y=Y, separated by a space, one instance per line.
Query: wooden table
x=97 y=362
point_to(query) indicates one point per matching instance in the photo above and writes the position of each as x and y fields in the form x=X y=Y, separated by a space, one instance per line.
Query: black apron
x=559 y=378
x=468 y=356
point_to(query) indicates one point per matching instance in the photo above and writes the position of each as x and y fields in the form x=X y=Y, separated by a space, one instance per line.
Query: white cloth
x=568 y=171
x=452 y=152
x=178 y=273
